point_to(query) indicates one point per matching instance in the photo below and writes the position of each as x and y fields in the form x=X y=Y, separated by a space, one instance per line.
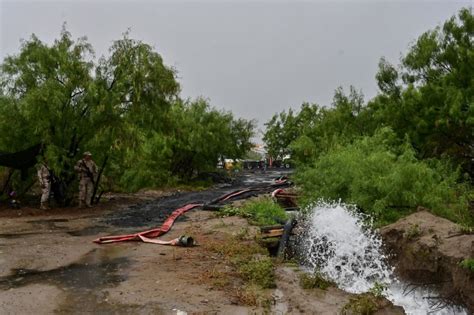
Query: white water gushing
x=339 y=242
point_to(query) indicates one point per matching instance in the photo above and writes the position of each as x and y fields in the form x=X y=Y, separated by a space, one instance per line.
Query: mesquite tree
x=124 y=107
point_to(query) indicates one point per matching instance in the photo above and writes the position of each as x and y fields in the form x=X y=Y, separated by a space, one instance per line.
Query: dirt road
x=49 y=264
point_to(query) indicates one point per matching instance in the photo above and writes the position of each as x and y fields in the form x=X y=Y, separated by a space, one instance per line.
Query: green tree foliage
x=203 y=134
x=45 y=89
x=431 y=96
x=384 y=179
x=258 y=211
x=146 y=165
x=303 y=150
x=284 y=128
x=281 y=130
x=319 y=126
x=136 y=81
x=345 y=151
x=198 y=137
x=124 y=107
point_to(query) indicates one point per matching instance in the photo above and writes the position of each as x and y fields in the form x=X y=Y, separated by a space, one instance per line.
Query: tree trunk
x=96 y=186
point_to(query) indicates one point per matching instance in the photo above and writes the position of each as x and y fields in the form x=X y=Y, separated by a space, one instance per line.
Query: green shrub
x=230 y=211
x=363 y=304
x=413 y=232
x=259 y=271
x=254 y=295
x=259 y=212
x=148 y=165
x=468 y=263
x=251 y=263
x=313 y=281
x=465 y=229
x=378 y=289
x=303 y=150
x=385 y=180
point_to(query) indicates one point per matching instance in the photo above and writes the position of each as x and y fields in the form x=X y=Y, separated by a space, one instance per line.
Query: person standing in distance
x=87 y=171
x=44 y=177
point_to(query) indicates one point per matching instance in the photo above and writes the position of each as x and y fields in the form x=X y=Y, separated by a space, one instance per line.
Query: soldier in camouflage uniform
x=87 y=171
x=45 y=183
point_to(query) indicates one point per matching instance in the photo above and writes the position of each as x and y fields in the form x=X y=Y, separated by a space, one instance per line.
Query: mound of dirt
x=428 y=250
x=291 y=298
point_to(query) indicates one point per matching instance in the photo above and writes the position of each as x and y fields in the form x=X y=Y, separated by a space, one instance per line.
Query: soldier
x=87 y=171
x=45 y=182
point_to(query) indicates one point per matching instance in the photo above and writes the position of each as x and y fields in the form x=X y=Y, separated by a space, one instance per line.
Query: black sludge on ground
x=95 y=270
x=153 y=213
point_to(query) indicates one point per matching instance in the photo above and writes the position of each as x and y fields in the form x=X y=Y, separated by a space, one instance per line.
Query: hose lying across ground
x=146 y=235
x=150 y=235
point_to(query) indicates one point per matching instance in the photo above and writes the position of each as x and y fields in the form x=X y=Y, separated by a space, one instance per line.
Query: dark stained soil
x=154 y=212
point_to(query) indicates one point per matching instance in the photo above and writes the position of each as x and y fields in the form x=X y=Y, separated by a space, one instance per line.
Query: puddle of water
x=83 y=282
x=96 y=269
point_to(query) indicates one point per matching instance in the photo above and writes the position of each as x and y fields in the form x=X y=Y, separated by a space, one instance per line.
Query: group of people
x=87 y=172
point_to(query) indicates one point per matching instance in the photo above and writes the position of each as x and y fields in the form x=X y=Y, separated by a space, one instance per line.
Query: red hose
x=150 y=233
x=235 y=194
x=166 y=225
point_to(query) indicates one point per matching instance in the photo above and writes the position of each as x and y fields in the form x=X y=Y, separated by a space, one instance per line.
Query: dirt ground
x=49 y=263
x=57 y=271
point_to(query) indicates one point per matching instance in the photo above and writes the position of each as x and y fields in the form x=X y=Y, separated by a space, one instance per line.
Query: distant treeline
x=411 y=145
x=124 y=107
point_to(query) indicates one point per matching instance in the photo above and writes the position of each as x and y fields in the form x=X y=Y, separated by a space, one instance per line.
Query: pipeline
x=283 y=244
x=231 y=195
x=149 y=235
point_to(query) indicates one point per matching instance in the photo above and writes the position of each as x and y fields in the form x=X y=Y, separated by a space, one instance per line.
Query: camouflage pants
x=85 y=191
x=45 y=190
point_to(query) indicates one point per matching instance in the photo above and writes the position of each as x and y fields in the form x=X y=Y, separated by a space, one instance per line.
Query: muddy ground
x=49 y=264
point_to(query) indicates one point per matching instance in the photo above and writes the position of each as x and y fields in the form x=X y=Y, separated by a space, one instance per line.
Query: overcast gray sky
x=253 y=58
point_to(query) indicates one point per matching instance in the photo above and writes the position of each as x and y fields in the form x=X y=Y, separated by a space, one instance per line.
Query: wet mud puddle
x=82 y=282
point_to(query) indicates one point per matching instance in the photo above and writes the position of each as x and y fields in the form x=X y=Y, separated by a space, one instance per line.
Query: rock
x=428 y=249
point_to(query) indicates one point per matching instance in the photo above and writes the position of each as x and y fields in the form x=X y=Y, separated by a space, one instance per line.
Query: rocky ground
x=49 y=264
